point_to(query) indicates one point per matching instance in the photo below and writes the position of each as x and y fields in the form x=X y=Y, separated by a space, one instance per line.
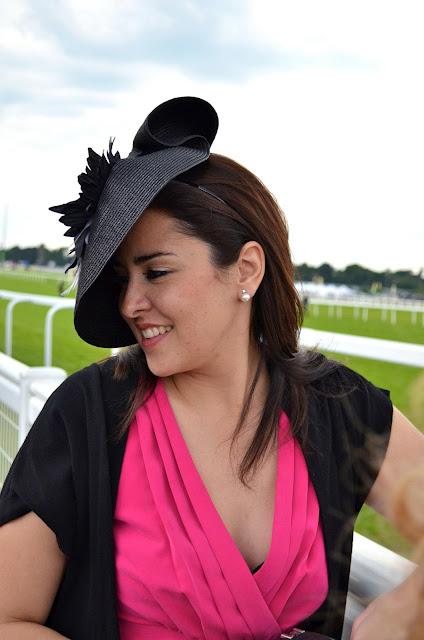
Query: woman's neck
x=224 y=394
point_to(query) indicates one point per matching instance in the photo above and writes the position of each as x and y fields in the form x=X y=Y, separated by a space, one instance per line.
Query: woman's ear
x=250 y=266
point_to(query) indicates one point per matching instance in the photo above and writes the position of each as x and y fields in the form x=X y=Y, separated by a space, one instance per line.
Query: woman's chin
x=160 y=369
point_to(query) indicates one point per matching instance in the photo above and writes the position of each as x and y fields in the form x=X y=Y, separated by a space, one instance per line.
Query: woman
x=204 y=483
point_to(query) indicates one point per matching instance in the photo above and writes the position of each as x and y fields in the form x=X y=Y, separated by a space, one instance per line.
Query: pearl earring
x=245 y=296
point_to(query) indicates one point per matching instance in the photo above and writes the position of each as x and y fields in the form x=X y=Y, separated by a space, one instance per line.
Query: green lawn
x=69 y=351
x=403 y=331
x=406 y=384
x=46 y=285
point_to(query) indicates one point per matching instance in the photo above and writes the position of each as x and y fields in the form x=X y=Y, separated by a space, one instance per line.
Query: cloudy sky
x=324 y=101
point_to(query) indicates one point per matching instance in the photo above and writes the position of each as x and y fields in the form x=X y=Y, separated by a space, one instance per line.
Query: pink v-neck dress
x=179 y=573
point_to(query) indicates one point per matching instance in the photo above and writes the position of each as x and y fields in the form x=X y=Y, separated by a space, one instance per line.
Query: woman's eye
x=151 y=274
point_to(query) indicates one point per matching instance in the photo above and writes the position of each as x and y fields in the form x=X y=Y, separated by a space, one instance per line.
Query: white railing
x=37 y=275
x=55 y=304
x=340 y=293
x=23 y=392
x=371 y=303
x=374 y=348
x=387 y=307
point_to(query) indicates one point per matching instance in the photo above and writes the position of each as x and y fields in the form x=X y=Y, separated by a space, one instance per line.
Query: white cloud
x=387 y=32
x=341 y=149
x=115 y=20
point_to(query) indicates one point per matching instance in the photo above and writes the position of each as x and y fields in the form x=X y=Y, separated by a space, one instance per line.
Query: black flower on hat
x=78 y=214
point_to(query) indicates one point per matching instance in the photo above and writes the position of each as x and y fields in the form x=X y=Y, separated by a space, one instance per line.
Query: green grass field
x=403 y=331
x=46 y=284
x=406 y=383
x=69 y=351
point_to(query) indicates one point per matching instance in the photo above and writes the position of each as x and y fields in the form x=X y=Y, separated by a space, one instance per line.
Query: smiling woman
x=204 y=482
x=219 y=247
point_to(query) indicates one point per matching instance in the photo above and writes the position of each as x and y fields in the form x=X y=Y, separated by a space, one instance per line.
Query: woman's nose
x=133 y=300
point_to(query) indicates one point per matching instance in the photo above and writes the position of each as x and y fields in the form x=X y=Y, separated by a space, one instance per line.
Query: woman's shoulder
x=352 y=404
x=102 y=372
x=78 y=383
x=76 y=392
x=335 y=377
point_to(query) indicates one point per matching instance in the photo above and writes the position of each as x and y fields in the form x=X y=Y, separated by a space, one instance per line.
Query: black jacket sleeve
x=40 y=478
x=367 y=412
x=349 y=430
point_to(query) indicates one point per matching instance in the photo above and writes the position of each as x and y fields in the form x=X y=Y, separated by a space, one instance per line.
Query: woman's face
x=169 y=285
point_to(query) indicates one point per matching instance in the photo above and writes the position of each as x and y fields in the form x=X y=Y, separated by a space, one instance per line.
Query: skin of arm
x=394 y=612
x=30 y=630
x=31 y=568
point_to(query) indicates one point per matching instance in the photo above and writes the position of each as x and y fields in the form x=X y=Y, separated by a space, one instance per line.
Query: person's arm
x=31 y=569
x=393 y=614
x=27 y=631
x=396 y=610
x=404 y=452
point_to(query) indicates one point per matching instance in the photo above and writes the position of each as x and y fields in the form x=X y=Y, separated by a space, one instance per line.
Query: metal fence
x=373 y=348
x=55 y=304
x=388 y=308
x=23 y=392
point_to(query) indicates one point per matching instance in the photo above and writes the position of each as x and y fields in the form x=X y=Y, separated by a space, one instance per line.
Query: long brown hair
x=250 y=212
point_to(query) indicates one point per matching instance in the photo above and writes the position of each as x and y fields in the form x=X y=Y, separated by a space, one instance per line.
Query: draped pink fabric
x=179 y=573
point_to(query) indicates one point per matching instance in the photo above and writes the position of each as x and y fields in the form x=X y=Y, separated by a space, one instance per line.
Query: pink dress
x=179 y=573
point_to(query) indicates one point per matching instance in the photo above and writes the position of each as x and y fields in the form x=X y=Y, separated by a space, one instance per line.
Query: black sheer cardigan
x=67 y=472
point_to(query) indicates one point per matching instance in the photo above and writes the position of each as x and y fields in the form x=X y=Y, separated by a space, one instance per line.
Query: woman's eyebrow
x=144 y=258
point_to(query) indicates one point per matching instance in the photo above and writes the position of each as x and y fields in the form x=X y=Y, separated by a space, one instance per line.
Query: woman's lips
x=149 y=343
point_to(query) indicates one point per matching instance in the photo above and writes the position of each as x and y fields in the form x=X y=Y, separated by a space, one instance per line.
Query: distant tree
x=305 y=272
x=41 y=255
x=38 y=255
x=361 y=278
x=354 y=274
x=326 y=271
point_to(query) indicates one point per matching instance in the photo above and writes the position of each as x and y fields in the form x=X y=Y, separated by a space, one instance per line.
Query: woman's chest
x=247 y=512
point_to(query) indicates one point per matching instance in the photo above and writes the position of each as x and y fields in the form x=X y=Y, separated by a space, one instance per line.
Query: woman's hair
x=250 y=212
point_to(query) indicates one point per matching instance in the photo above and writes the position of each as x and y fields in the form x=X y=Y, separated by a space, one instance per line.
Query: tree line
x=354 y=275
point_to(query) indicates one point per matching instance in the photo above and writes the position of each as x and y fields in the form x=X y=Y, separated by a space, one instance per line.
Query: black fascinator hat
x=175 y=136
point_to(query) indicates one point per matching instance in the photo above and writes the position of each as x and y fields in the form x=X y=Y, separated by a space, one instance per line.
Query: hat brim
x=129 y=190
x=175 y=137
x=98 y=320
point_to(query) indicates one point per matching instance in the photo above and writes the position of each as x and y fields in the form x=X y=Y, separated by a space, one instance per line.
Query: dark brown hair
x=250 y=213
